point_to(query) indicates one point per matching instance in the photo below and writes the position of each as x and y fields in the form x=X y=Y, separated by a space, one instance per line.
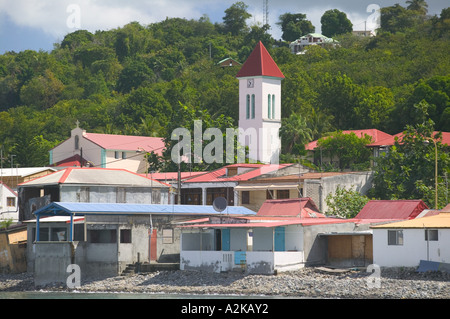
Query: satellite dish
x=219 y=204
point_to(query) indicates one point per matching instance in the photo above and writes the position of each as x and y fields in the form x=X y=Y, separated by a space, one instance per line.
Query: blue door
x=279 y=239
x=225 y=239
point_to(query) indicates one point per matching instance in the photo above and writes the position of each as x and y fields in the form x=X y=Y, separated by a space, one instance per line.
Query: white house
x=8 y=204
x=260 y=244
x=406 y=243
x=298 y=46
x=105 y=151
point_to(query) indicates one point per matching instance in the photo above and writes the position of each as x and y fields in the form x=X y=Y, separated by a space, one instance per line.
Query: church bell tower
x=260 y=106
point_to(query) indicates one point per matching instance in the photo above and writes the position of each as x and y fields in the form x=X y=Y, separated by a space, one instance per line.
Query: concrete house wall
x=318 y=189
x=252 y=248
x=113 y=257
x=413 y=249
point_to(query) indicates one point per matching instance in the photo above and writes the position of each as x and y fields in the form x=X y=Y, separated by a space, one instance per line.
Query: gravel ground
x=305 y=283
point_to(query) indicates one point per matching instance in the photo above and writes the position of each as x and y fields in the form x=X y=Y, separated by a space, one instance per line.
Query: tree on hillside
x=235 y=18
x=294 y=25
x=418 y=5
x=335 y=22
x=396 y=18
x=407 y=171
x=347 y=149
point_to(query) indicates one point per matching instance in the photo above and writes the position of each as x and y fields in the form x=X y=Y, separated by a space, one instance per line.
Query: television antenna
x=265 y=12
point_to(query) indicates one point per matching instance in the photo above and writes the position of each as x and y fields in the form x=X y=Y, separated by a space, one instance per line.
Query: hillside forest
x=149 y=79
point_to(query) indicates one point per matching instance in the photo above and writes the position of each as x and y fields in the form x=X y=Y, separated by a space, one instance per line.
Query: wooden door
x=153 y=246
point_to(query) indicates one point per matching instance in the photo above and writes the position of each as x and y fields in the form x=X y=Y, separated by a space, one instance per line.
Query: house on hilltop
x=383 y=144
x=85 y=149
x=298 y=46
x=315 y=155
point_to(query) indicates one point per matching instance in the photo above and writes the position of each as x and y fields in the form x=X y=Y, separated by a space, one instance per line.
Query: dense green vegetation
x=142 y=80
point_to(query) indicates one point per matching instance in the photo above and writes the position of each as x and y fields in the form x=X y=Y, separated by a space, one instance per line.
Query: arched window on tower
x=253 y=106
x=273 y=106
x=269 y=111
x=247 y=110
x=77 y=142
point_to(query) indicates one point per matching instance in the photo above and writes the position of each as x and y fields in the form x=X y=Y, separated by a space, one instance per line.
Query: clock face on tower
x=250 y=83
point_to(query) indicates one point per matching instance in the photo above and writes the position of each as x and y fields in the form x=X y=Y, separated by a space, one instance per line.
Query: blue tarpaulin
x=426 y=265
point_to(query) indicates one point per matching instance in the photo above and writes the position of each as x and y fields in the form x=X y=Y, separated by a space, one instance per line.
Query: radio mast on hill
x=265 y=12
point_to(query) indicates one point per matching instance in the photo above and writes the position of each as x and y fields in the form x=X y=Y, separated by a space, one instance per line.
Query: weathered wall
x=318 y=189
x=12 y=255
x=51 y=261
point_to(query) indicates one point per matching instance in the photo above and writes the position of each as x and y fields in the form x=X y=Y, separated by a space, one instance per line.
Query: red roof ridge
x=260 y=63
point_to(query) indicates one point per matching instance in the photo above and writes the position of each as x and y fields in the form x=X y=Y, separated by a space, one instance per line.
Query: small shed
x=13 y=243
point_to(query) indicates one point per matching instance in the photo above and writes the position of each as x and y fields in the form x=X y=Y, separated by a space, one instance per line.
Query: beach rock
x=393 y=284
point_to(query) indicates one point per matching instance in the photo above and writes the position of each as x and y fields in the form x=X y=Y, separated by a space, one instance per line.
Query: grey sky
x=36 y=24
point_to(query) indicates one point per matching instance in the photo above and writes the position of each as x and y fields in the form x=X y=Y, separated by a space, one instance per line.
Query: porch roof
x=274 y=223
x=70 y=208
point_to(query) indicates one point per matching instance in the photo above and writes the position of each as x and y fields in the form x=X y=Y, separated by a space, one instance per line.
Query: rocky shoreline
x=306 y=283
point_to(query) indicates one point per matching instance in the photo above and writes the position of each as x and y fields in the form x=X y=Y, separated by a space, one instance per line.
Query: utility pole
x=179 y=174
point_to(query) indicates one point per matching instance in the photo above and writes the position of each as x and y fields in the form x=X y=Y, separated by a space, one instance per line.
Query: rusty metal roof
x=391 y=209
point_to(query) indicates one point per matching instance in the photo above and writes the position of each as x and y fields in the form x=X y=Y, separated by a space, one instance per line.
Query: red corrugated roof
x=260 y=63
x=391 y=209
x=74 y=160
x=219 y=175
x=127 y=142
x=376 y=135
x=294 y=207
x=388 y=141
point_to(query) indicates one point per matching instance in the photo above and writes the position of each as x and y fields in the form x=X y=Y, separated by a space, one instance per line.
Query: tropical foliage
x=148 y=79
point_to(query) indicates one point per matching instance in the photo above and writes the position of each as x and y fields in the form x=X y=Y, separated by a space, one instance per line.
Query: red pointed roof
x=260 y=63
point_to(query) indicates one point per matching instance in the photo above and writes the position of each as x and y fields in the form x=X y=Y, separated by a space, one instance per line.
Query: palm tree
x=294 y=130
x=418 y=5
